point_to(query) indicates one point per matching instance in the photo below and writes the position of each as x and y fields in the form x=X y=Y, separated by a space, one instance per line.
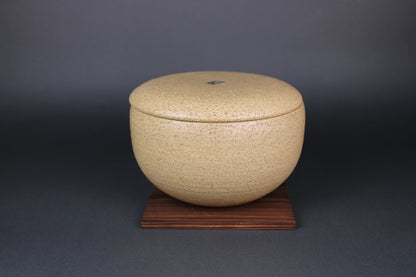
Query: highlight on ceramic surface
x=215 y=138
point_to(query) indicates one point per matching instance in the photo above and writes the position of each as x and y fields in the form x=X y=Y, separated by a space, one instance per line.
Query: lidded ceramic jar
x=215 y=138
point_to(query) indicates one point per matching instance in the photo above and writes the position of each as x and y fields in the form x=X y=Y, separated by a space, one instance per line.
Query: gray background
x=71 y=194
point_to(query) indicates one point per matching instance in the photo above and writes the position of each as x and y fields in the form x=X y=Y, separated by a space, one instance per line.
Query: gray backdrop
x=71 y=194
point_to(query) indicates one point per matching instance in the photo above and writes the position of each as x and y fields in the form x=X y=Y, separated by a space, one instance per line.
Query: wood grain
x=272 y=212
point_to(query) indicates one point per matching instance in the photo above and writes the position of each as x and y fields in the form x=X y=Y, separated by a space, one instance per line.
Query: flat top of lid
x=215 y=96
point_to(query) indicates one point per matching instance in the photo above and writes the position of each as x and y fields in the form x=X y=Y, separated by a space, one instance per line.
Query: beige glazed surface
x=216 y=138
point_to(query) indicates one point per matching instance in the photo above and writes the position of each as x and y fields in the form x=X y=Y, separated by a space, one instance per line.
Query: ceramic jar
x=215 y=138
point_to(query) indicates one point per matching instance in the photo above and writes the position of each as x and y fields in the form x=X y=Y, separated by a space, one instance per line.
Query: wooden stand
x=272 y=212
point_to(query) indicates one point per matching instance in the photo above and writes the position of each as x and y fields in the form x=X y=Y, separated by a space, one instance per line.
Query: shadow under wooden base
x=272 y=212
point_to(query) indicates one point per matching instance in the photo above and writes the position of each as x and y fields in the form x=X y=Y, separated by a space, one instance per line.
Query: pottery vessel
x=216 y=138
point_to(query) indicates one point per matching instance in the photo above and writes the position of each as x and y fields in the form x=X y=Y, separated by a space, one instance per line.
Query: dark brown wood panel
x=273 y=212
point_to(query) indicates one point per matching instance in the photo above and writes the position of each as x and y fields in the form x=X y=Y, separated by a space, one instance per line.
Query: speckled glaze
x=216 y=138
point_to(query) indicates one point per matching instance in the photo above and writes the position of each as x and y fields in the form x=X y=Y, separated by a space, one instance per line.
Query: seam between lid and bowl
x=219 y=121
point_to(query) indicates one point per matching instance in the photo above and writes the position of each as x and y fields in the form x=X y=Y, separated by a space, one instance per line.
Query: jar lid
x=215 y=96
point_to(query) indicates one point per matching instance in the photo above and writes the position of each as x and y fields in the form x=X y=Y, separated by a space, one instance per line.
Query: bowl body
x=217 y=163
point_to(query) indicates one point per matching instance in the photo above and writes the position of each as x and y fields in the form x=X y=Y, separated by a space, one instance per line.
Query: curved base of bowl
x=223 y=200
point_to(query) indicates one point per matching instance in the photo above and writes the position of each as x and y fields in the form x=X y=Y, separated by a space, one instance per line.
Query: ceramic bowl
x=216 y=138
